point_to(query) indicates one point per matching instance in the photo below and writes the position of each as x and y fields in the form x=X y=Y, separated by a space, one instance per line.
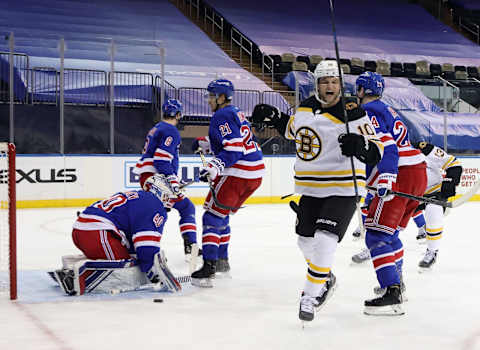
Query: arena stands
x=394 y=32
x=192 y=59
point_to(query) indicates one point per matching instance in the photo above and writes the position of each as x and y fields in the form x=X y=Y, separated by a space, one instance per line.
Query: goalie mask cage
x=8 y=237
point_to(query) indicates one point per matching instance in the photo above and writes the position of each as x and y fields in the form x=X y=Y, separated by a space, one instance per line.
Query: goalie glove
x=212 y=170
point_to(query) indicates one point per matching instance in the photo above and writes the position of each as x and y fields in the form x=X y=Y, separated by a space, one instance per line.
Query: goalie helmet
x=372 y=83
x=221 y=86
x=171 y=107
x=327 y=68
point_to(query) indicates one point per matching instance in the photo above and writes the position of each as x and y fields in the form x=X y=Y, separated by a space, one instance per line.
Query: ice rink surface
x=258 y=307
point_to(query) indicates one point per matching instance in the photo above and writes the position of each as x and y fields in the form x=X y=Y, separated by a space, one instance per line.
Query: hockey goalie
x=120 y=241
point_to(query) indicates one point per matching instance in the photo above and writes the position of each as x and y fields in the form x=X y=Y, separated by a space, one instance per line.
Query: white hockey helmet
x=327 y=68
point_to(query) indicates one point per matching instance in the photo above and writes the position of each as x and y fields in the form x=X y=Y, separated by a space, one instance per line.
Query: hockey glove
x=354 y=145
x=448 y=188
x=266 y=114
x=169 y=201
x=212 y=170
x=201 y=144
x=174 y=184
x=386 y=182
x=155 y=184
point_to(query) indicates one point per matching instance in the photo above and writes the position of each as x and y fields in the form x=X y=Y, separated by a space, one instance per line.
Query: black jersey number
x=366 y=130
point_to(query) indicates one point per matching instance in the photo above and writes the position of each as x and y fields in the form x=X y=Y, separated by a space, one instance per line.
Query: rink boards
x=61 y=181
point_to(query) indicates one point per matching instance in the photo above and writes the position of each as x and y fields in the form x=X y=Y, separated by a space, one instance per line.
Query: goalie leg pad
x=99 y=276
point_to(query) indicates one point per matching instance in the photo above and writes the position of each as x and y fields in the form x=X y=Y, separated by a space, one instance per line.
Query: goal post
x=8 y=221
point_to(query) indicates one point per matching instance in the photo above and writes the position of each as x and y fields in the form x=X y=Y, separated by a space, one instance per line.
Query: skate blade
x=328 y=297
x=358 y=261
x=388 y=310
x=52 y=275
x=202 y=282
x=305 y=317
x=223 y=275
x=422 y=241
x=423 y=270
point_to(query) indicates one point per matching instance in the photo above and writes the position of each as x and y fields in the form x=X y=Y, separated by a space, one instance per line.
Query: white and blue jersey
x=393 y=133
x=137 y=217
x=160 y=154
x=232 y=141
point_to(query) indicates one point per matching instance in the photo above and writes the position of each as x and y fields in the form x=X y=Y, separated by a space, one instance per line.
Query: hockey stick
x=287 y=195
x=153 y=287
x=212 y=190
x=446 y=204
x=342 y=97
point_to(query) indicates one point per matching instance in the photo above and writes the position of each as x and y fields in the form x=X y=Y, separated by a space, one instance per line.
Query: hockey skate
x=64 y=278
x=389 y=304
x=422 y=235
x=203 y=277
x=364 y=255
x=381 y=291
x=187 y=249
x=309 y=305
x=428 y=260
x=223 y=269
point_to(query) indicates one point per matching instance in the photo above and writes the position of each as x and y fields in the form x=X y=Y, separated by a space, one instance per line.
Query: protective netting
x=5 y=248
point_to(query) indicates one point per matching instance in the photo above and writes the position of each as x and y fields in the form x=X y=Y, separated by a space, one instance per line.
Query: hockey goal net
x=8 y=237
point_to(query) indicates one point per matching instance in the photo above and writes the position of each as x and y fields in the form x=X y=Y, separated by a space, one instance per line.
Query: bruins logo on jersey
x=308 y=144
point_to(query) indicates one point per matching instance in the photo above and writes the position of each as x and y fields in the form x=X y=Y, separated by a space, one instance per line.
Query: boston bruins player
x=323 y=175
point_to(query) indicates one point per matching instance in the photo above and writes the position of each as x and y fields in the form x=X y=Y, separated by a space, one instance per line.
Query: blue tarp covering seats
x=192 y=59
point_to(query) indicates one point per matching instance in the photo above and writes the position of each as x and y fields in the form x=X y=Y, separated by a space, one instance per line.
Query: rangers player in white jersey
x=323 y=175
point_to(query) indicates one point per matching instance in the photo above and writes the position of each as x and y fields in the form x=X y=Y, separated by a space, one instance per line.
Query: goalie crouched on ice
x=323 y=175
x=120 y=239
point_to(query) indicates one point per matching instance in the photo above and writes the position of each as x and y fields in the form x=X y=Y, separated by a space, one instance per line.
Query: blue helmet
x=373 y=83
x=221 y=86
x=171 y=107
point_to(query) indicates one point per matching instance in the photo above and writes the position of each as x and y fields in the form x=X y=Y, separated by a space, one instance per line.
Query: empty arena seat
x=305 y=59
x=461 y=75
x=276 y=58
x=315 y=59
x=346 y=61
x=473 y=72
x=383 y=68
x=288 y=57
x=358 y=66
x=345 y=68
x=396 y=69
x=300 y=66
x=410 y=70
x=435 y=70
x=371 y=66
x=422 y=69
x=448 y=72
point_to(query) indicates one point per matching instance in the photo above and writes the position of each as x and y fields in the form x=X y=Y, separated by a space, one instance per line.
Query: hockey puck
x=158 y=300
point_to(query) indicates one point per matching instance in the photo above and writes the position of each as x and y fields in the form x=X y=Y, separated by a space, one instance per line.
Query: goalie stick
x=212 y=190
x=446 y=204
